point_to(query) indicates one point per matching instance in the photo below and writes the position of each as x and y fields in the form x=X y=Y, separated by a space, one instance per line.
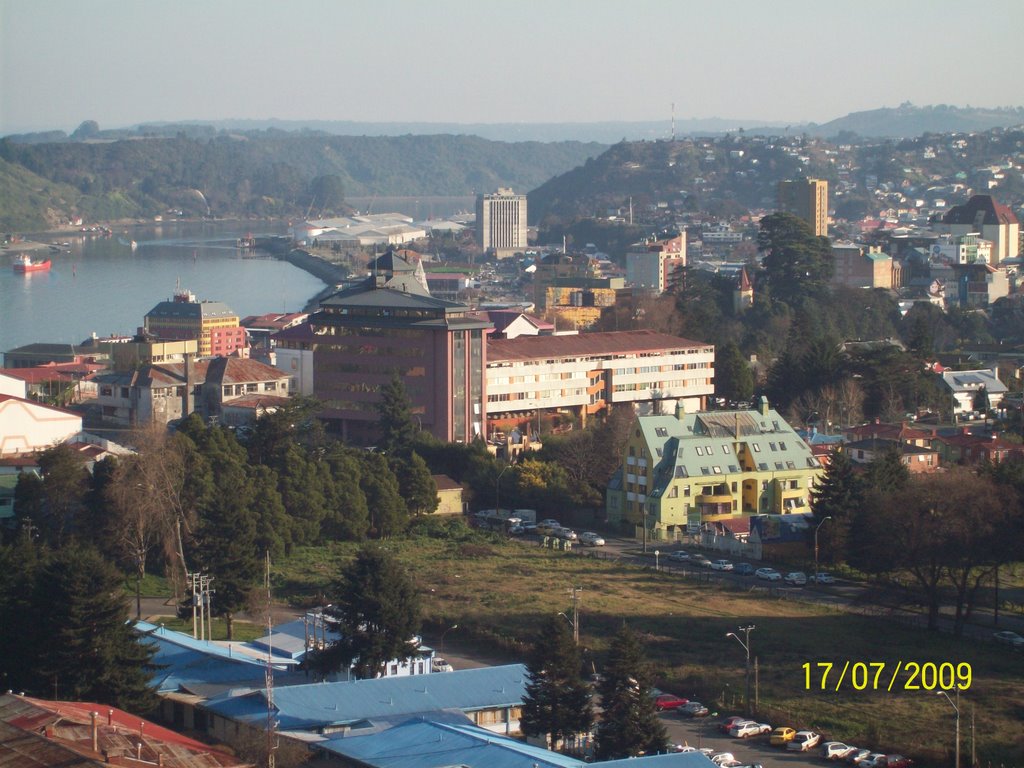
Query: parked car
x=768 y=574
x=781 y=736
x=681 y=748
x=873 y=760
x=700 y=560
x=836 y=750
x=548 y=525
x=726 y=725
x=679 y=556
x=796 y=578
x=823 y=577
x=591 y=539
x=743 y=569
x=1011 y=639
x=516 y=529
x=669 y=701
x=803 y=741
x=723 y=757
x=528 y=528
x=898 y=761
x=721 y=565
x=749 y=728
x=437 y=664
x=694 y=709
x=857 y=755
x=565 y=534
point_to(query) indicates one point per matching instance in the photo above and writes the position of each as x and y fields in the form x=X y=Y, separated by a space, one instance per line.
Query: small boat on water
x=24 y=263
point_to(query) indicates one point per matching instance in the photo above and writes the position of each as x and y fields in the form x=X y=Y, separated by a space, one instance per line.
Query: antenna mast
x=271 y=722
x=673 y=122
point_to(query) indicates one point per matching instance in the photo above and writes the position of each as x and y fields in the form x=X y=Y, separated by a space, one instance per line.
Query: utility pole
x=956 y=708
x=823 y=521
x=575 y=592
x=746 y=647
x=271 y=723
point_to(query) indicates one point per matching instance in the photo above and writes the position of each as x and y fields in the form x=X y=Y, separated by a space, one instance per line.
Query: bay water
x=101 y=285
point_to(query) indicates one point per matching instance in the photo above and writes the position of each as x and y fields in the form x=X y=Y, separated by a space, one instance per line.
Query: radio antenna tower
x=673 y=122
x=271 y=721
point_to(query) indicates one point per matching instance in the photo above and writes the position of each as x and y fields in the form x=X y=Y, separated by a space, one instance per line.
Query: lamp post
x=497 y=485
x=823 y=521
x=956 y=708
x=746 y=647
x=441 y=644
x=645 y=526
x=138 y=587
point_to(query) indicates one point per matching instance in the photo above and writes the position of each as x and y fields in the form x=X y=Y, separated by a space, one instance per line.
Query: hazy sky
x=122 y=62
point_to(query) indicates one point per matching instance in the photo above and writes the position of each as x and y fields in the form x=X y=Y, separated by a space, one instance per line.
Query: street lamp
x=441 y=644
x=644 y=506
x=823 y=521
x=746 y=647
x=497 y=485
x=956 y=708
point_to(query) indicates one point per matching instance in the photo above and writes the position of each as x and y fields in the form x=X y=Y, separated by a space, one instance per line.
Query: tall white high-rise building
x=501 y=222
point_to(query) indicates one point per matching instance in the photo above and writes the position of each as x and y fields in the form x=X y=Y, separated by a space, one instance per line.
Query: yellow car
x=782 y=736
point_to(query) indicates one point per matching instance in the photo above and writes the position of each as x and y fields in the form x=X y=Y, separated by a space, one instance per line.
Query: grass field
x=499 y=591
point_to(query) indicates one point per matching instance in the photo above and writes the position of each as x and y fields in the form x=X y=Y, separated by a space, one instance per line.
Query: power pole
x=271 y=723
x=575 y=592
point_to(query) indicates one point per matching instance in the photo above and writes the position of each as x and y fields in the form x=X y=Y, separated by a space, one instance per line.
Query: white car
x=591 y=539
x=796 y=578
x=749 y=728
x=803 y=741
x=722 y=757
x=768 y=574
x=679 y=556
x=721 y=565
x=836 y=750
x=1011 y=639
x=823 y=577
x=566 y=534
x=437 y=664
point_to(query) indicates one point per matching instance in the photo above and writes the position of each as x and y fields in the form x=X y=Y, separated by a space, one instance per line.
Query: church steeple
x=743 y=293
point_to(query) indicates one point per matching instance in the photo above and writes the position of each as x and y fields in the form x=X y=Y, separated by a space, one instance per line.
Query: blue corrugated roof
x=676 y=760
x=309 y=707
x=423 y=743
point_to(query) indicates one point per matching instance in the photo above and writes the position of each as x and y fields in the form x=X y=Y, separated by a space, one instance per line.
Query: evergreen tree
x=397 y=429
x=733 y=378
x=81 y=647
x=348 y=518
x=629 y=721
x=226 y=540
x=557 y=700
x=273 y=526
x=796 y=262
x=56 y=507
x=416 y=485
x=838 y=495
x=388 y=513
x=375 y=612
x=302 y=492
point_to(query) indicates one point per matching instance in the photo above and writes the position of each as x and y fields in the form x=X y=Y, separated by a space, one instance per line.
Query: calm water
x=104 y=287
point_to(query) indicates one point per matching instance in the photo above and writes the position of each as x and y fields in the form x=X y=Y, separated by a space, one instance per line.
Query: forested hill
x=263 y=173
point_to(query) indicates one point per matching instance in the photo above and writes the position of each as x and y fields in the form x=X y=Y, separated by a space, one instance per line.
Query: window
x=757 y=448
x=632 y=451
x=725 y=449
x=394 y=669
x=686 y=491
x=717 y=470
x=794 y=484
x=661 y=432
x=674 y=492
x=659 y=452
x=700 y=451
x=772 y=446
x=734 y=487
x=782 y=446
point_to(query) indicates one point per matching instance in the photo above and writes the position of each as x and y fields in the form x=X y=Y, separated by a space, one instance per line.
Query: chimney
x=110 y=717
x=95 y=731
x=680 y=410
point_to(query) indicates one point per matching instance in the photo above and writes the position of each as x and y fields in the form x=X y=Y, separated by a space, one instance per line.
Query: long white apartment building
x=570 y=377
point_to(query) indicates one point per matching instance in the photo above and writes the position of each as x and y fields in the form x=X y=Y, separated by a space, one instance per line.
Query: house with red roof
x=36 y=733
x=992 y=220
x=968 y=449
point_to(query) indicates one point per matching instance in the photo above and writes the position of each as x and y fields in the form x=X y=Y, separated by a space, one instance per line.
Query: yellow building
x=681 y=472
x=807 y=199
x=211 y=323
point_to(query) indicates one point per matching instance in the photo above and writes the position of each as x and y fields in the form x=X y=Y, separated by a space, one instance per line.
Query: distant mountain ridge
x=904 y=121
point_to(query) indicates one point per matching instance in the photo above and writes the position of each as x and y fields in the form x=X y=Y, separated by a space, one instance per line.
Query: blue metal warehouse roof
x=310 y=707
x=423 y=743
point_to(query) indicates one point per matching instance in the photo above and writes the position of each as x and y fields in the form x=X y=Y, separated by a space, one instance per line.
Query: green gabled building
x=680 y=472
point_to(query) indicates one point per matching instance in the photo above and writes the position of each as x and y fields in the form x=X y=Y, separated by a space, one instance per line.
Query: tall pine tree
x=629 y=721
x=557 y=700
x=838 y=495
x=397 y=429
x=375 y=612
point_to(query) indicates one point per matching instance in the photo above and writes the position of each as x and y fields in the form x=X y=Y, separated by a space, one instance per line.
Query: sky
x=124 y=62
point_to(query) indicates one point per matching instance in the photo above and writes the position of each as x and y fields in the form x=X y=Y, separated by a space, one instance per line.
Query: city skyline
x=121 y=62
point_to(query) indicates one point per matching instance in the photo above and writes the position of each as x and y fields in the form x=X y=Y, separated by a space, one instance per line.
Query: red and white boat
x=24 y=263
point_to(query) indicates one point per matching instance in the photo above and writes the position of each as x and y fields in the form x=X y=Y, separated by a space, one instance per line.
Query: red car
x=667 y=701
x=726 y=725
